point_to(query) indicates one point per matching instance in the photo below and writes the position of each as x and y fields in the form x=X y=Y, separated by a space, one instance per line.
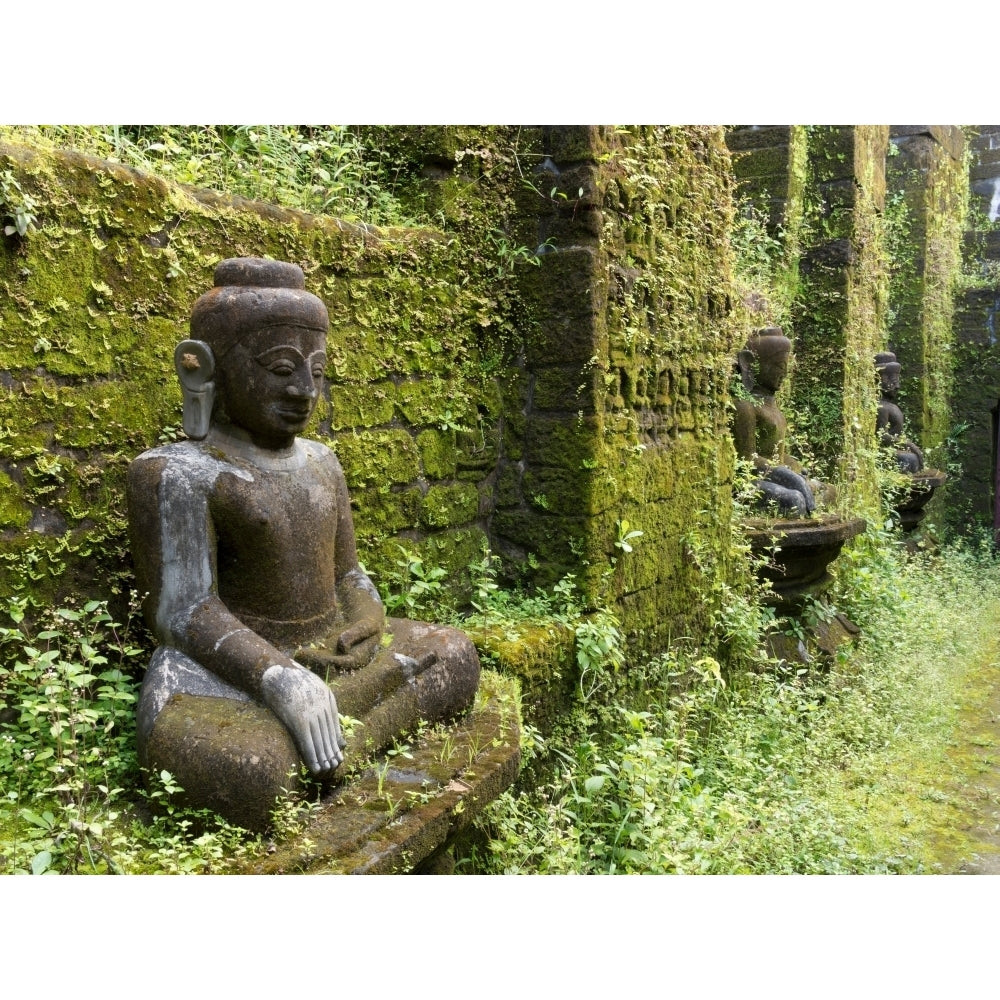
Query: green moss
x=378 y=458
x=427 y=401
x=448 y=506
x=438 y=454
x=542 y=657
x=95 y=300
x=362 y=404
x=14 y=513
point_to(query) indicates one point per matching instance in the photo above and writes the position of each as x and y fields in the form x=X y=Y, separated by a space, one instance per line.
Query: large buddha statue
x=759 y=427
x=243 y=542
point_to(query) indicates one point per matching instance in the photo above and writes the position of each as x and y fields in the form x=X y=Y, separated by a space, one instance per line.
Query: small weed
x=414 y=586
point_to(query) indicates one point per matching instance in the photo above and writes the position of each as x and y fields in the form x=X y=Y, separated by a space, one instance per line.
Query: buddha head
x=889 y=373
x=763 y=363
x=256 y=356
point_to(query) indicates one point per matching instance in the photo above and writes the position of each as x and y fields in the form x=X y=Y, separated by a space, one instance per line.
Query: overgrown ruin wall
x=94 y=301
x=873 y=234
x=976 y=377
x=929 y=190
x=625 y=373
x=547 y=365
x=545 y=371
x=823 y=188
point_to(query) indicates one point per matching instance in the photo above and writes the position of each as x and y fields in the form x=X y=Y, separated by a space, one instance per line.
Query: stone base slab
x=405 y=808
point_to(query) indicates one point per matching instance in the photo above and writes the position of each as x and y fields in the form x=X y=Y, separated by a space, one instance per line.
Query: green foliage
x=67 y=734
x=72 y=797
x=414 y=586
x=760 y=261
x=322 y=169
x=509 y=256
x=782 y=769
x=16 y=205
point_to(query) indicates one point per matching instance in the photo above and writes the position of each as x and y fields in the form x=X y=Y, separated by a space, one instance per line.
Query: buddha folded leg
x=426 y=673
x=228 y=753
x=233 y=755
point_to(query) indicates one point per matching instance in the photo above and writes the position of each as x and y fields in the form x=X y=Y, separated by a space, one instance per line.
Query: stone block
x=361 y=404
x=380 y=457
x=757 y=136
x=508 y=486
x=769 y=162
x=438 y=454
x=558 y=490
x=567 y=144
x=450 y=506
x=567 y=388
x=948 y=137
x=425 y=401
x=556 y=442
x=567 y=298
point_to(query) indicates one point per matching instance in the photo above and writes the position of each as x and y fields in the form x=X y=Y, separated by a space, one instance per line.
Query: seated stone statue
x=759 y=427
x=243 y=542
x=889 y=422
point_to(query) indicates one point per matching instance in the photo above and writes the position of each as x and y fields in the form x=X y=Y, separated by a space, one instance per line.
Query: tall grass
x=788 y=769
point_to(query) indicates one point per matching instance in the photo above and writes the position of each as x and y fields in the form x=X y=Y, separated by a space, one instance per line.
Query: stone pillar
x=622 y=419
x=976 y=388
x=839 y=313
x=928 y=190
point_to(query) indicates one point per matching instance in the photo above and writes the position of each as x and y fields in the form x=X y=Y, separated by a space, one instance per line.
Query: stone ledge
x=405 y=808
x=541 y=654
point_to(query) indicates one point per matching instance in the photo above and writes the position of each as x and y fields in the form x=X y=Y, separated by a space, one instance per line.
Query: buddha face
x=772 y=366
x=270 y=381
x=889 y=377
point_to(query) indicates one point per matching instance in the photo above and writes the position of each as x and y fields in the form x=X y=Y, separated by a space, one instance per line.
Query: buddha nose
x=303 y=387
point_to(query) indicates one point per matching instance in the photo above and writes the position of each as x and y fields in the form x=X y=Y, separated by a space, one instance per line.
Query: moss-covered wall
x=625 y=373
x=547 y=364
x=97 y=295
x=928 y=193
x=824 y=187
x=976 y=377
x=839 y=312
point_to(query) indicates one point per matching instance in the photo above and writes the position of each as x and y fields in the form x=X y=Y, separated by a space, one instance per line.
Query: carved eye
x=318 y=372
x=282 y=368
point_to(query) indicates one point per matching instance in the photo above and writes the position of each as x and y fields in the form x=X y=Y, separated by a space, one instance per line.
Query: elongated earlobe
x=195 y=366
x=744 y=362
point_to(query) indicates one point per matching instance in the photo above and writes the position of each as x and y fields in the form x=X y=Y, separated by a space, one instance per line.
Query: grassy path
x=970 y=764
x=887 y=763
x=935 y=789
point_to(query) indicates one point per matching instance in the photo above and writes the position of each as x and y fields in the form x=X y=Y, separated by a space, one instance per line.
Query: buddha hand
x=781 y=475
x=356 y=647
x=307 y=709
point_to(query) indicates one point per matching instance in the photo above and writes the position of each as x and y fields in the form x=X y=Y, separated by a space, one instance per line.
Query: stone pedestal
x=910 y=506
x=399 y=814
x=799 y=553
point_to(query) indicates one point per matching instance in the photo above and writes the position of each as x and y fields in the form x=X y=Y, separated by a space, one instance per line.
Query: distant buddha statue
x=759 y=427
x=243 y=542
x=889 y=422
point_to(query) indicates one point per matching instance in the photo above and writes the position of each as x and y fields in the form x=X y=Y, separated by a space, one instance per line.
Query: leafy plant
x=68 y=729
x=777 y=769
x=414 y=585
x=16 y=205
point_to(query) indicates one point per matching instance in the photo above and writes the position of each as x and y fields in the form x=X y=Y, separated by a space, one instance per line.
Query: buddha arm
x=359 y=600
x=745 y=434
x=173 y=545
